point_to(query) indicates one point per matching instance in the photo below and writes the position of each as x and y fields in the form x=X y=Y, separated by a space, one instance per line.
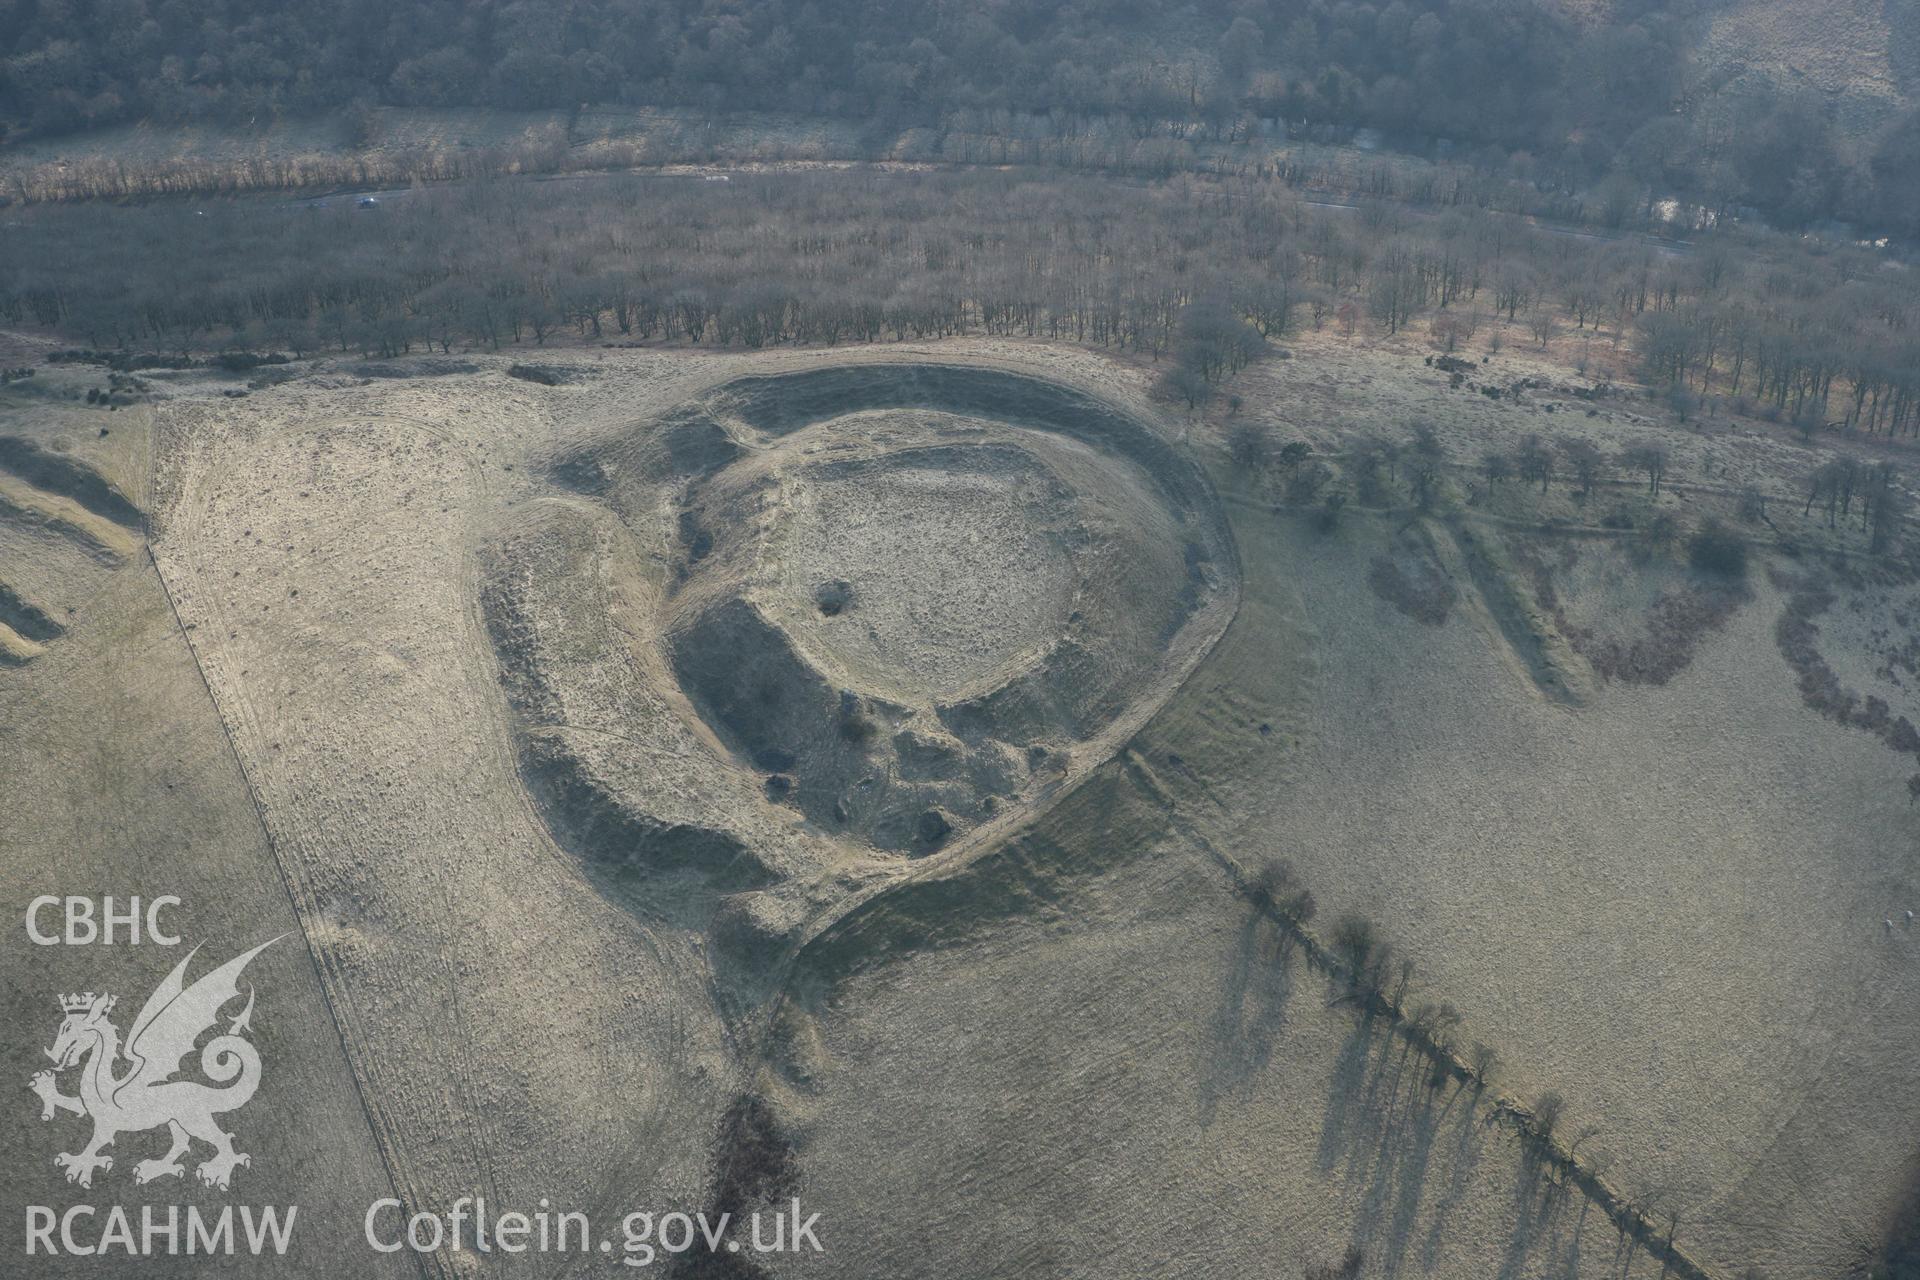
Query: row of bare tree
x=1216 y=267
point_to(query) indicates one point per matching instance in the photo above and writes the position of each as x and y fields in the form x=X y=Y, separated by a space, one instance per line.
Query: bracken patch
x=1426 y=596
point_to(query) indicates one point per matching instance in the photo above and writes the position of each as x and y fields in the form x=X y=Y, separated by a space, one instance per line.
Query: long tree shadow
x=1250 y=1012
x=1402 y=1177
x=1392 y=1123
x=1555 y=1242
x=1536 y=1205
x=1469 y=1135
x=1347 y=1113
x=1397 y=1120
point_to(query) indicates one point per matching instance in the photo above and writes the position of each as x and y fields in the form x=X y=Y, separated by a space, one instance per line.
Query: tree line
x=1525 y=87
x=1200 y=273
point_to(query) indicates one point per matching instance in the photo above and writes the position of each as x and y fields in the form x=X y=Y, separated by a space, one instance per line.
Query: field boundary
x=314 y=958
x=1630 y=1219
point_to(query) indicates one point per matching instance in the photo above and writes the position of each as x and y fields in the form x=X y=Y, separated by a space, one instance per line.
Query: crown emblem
x=81 y=1002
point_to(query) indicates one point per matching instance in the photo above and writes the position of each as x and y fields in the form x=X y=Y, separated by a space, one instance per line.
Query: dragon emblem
x=145 y=1095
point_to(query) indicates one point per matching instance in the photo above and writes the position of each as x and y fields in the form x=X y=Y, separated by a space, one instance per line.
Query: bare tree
x=1886 y=507
x=1547 y=1113
x=1451 y=330
x=1536 y=461
x=1543 y=327
x=1427 y=459
x=1250 y=445
x=1649 y=458
x=1587 y=463
x=1276 y=888
x=1436 y=1022
x=1355 y=942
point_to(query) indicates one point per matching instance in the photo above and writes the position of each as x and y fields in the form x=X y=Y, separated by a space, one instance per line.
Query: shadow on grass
x=1386 y=1117
x=1407 y=1142
x=1252 y=1009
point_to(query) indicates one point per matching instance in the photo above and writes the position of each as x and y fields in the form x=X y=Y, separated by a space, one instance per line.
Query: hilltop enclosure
x=1044 y=639
x=1288 y=720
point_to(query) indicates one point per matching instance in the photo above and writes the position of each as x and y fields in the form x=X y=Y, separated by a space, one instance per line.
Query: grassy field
x=1134 y=1075
x=1064 y=1042
x=117 y=778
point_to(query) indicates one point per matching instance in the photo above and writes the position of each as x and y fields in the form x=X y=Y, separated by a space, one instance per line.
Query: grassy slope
x=116 y=778
x=1664 y=903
